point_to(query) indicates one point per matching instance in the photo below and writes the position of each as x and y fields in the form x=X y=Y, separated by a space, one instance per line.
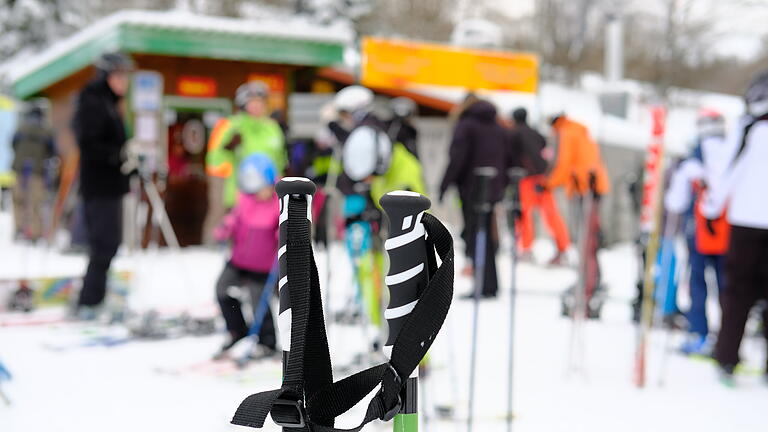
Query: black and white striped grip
x=289 y=188
x=406 y=246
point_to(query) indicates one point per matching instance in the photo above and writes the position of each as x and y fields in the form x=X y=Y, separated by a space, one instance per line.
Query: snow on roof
x=283 y=27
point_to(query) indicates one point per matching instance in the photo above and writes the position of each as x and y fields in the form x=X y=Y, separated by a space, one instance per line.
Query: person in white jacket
x=706 y=244
x=743 y=188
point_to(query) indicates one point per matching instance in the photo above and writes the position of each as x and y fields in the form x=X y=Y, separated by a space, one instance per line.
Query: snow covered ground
x=155 y=385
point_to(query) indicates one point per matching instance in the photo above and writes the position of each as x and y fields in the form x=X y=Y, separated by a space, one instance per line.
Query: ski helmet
x=255 y=173
x=402 y=107
x=250 y=90
x=115 y=62
x=354 y=99
x=367 y=152
x=756 y=96
x=710 y=122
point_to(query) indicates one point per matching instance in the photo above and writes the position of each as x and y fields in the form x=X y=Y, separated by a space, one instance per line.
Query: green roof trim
x=65 y=65
x=148 y=39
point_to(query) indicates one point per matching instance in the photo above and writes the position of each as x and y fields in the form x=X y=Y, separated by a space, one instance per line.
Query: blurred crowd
x=713 y=199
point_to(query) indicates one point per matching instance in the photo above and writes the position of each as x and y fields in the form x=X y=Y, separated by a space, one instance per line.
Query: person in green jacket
x=249 y=131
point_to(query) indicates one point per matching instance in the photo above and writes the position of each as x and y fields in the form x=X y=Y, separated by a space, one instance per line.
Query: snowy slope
x=122 y=388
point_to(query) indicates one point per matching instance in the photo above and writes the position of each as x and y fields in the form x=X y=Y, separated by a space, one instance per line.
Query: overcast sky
x=741 y=24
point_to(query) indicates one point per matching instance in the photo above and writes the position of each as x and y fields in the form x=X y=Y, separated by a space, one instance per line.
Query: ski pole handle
x=484 y=176
x=514 y=208
x=407 y=249
x=289 y=189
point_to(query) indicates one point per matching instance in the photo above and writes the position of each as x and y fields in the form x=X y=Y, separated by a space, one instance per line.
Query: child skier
x=252 y=227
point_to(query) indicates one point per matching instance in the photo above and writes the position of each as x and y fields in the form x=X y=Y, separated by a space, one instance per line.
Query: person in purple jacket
x=252 y=228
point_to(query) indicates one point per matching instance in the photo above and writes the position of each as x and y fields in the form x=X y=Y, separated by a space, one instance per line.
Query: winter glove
x=234 y=142
x=710 y=226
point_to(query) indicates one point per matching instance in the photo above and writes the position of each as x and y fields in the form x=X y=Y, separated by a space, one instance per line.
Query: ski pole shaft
x=407 y=277
x=289 y=189
x=483 y=208
x=514 y=210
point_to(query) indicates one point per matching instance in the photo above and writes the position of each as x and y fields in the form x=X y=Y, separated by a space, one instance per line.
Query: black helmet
x=520 y=115
x=756 y=96
x=115 y=62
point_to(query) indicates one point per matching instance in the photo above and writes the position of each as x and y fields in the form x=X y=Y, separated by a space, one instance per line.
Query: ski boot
x=23 y=299
x=558 y=260
x=725 y=374
x=696 y=345
x=594 y=304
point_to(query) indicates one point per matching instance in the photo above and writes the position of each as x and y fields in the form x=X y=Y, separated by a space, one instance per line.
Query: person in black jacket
x=533 y=192
x=100 y=133
x=478 y=141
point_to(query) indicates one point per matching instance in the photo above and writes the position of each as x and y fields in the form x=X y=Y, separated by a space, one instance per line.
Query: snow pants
x=28 y=198
x=228 y=288
x=697 y=314
x=544 y=201
x=746 y=274
x=104 y=226
x=469 y=235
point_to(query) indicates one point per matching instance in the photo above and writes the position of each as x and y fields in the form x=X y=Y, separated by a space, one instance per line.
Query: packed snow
x=167 y=384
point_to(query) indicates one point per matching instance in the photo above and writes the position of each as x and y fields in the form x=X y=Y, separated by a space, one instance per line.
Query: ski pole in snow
x=260 y=311
x=483 y=208
x=666 y=292
x=408 y=275
x=513 y=215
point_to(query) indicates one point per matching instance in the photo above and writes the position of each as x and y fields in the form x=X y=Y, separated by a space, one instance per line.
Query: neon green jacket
x=404 y=174
x=258 y=135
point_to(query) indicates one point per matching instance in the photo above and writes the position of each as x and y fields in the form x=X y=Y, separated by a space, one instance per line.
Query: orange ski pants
x=544 y=201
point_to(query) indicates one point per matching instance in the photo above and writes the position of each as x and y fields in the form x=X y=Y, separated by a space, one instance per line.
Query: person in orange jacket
x=578 y=168
x=533 y=194
x=576 y=159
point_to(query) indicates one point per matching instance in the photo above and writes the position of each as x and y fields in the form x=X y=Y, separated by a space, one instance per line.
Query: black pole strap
x=308 y=399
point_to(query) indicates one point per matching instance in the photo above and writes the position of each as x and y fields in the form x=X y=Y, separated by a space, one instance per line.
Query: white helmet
x=353 y=99
x=367 y=152
x=710 y=122
x=250 y=90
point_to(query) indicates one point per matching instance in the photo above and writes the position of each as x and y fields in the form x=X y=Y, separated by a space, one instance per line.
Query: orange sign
x=276 y=83
x=398 y=64
x=196 y=86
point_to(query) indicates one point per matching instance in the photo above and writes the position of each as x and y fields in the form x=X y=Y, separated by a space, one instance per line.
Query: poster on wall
x=147 y=91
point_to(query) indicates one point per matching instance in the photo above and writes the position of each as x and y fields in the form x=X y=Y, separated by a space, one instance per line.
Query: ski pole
x=514 y=210
x=289 y=188
x=260 y=311
x=407 y=277
x=667 y=270
x=483 y=208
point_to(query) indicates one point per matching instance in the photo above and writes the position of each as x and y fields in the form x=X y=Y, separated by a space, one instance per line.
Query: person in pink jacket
x=252 y=228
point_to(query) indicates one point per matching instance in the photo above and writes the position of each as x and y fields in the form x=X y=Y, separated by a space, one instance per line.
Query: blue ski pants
x=697 y=315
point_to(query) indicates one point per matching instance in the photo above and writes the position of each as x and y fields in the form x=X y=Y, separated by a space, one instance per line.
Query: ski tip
x=295 y=186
